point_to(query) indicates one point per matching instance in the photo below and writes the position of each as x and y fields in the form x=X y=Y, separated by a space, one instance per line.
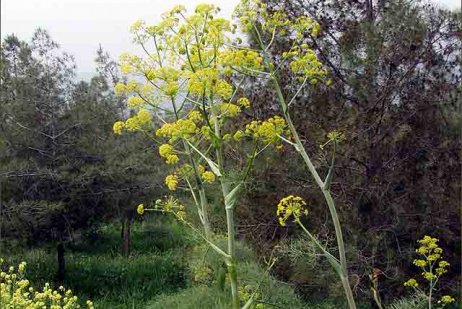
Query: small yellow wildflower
x=120 y=89
x=420 y=263
x=230 y=109
x=172 y=182
x=140 y=209
x=238 y=135
x=165 y=150
x=201 y=169
x=208 y=176
x=118 y=127
x=290 y=206
x=446 y=299
x=144 y=116
x=411 y=282
x=336 y=136
x=195 y=116
x=227 y=137
x=135 y=102
x=244 y=102
x=268 y=131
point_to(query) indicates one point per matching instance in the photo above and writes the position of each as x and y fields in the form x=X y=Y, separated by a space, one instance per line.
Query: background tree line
x=63 y=172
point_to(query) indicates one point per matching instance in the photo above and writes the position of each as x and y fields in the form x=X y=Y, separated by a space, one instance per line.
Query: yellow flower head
x=267 y=131
x=230 y=109
x=208 y=176
x=243 y=102
x=120 y=89
x=195 y=116
x=118 y=127
x=291 y=206
x=335 y=136
x=411 y=282
x=238 y=135
x=446 y=299
x=135 y=102
x=172 y=182
x=140 y=209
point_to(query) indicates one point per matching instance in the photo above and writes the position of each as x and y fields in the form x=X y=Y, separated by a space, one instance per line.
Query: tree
x=395 y=67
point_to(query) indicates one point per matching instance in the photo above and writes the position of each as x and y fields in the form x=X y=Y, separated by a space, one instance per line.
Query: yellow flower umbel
x=291 y=206
x=118 y=127
x=208 y=177
x=166 y=151
x=140 y=209
x=432 y=266
x=268 y=131
x=172 y=205
x=172 y=182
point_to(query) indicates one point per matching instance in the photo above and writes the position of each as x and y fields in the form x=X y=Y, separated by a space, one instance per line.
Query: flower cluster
x=268 y=131
x=171 y=205
x=290 y=206
x=166 y=151
x=140 y=121
x=182 y=128
x=431 y=264
x=16 y=292
x=240 y=59
x=305 y=63
x=208 y=176
x=207 y=81
x=140 y=209
x=243 y=102
x=172 y=182
x=229 y=109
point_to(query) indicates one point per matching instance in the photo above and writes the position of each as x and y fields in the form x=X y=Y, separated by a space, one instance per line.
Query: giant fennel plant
x=194 y=72
x=190 y=102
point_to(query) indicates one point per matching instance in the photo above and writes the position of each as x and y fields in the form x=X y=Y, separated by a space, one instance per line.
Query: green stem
x=231 y=262
x=327 y=195
x=330 y=204
x=202 y=197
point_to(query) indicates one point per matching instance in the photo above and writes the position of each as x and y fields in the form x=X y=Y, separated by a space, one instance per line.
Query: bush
x=17 y=293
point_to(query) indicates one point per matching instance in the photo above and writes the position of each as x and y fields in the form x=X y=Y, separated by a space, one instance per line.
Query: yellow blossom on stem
x=243 y=102
x=411 y=282
x=135 y=102
x=140 y=209
x=208 y=176
x=118 y=127
x=290 y=206
x=172 y=182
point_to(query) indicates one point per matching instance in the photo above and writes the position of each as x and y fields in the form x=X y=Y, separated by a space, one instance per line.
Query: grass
x=96 y=270
x=168 y=268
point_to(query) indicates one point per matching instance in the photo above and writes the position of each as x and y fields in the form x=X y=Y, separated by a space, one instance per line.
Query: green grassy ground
x=168 y=268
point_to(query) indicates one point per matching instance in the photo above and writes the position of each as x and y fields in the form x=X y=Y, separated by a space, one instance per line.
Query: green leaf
x=213 y=165
x=231 y=197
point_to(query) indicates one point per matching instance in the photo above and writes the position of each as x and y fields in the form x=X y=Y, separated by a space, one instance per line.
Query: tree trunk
x=61 y=262
x=127 y=237
x=122 y=228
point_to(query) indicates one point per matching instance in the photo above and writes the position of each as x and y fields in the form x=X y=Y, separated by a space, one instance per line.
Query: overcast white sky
x=79 y=26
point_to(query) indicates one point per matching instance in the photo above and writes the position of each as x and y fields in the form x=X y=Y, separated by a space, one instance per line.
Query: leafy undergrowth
x=96 y=269
x=168 y=268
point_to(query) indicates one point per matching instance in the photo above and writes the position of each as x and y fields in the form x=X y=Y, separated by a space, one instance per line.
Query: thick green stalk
x=231 y=261
x=325 y=189
x=327 y=195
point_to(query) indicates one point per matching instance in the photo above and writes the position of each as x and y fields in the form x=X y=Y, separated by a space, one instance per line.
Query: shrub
x=17 y=293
